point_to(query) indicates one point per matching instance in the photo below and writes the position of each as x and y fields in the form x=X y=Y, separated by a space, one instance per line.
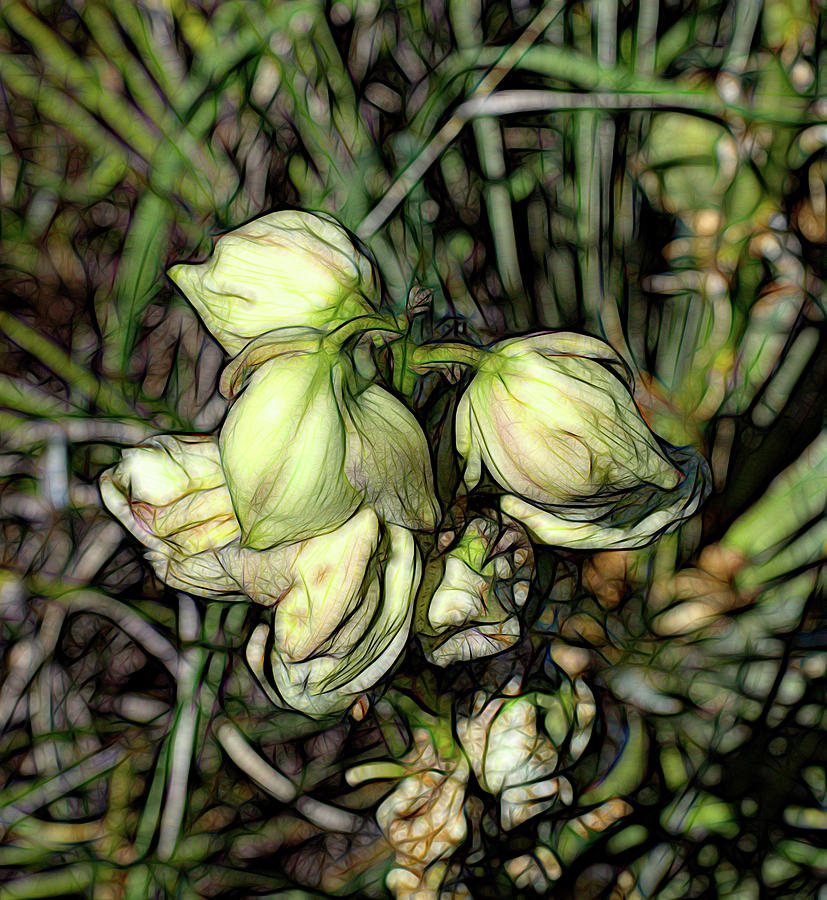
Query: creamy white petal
x=286 y=269
x=171 y=495
x=475 y=641
x=485 y=580
x=327 y=578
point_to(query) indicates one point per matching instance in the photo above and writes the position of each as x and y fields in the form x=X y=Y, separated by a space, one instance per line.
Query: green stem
x=386 y=325
x=53 y=356
x=445 y=354
x=404 y=378
x=73 y=879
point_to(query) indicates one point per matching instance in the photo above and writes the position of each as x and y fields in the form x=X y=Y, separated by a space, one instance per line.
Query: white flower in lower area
x=513 y=745
x=342 y=616
x=513 y=757
x=423 y=819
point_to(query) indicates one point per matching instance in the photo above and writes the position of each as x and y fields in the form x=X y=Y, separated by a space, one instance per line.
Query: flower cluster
x=516 y=745
x=316 y=497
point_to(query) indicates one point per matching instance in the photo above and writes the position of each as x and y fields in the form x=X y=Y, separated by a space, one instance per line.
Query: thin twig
x=397 y=192
x=243 y=755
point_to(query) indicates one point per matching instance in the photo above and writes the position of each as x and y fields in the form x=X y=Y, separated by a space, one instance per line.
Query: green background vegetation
x=650 y=172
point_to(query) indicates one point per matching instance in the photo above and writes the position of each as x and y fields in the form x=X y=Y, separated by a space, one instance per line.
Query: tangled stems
x=379 y=326
x=419 y=357
x=410 y=359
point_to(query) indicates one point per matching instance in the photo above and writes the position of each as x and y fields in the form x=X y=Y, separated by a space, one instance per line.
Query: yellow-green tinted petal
x=467 y=447
x=283 y=451
x=328 y=576
x=170 y=493
x=552 y=418
x=388 y=461
x=356 y=623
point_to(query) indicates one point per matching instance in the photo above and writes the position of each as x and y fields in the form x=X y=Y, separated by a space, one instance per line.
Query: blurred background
x=654 y=173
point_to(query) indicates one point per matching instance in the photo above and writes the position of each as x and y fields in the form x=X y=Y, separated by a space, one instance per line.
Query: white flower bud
x=552 y=418
x=423 y=818
x=170 y=493
x=504 y=746
x=287 y=269
x=283 y=451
